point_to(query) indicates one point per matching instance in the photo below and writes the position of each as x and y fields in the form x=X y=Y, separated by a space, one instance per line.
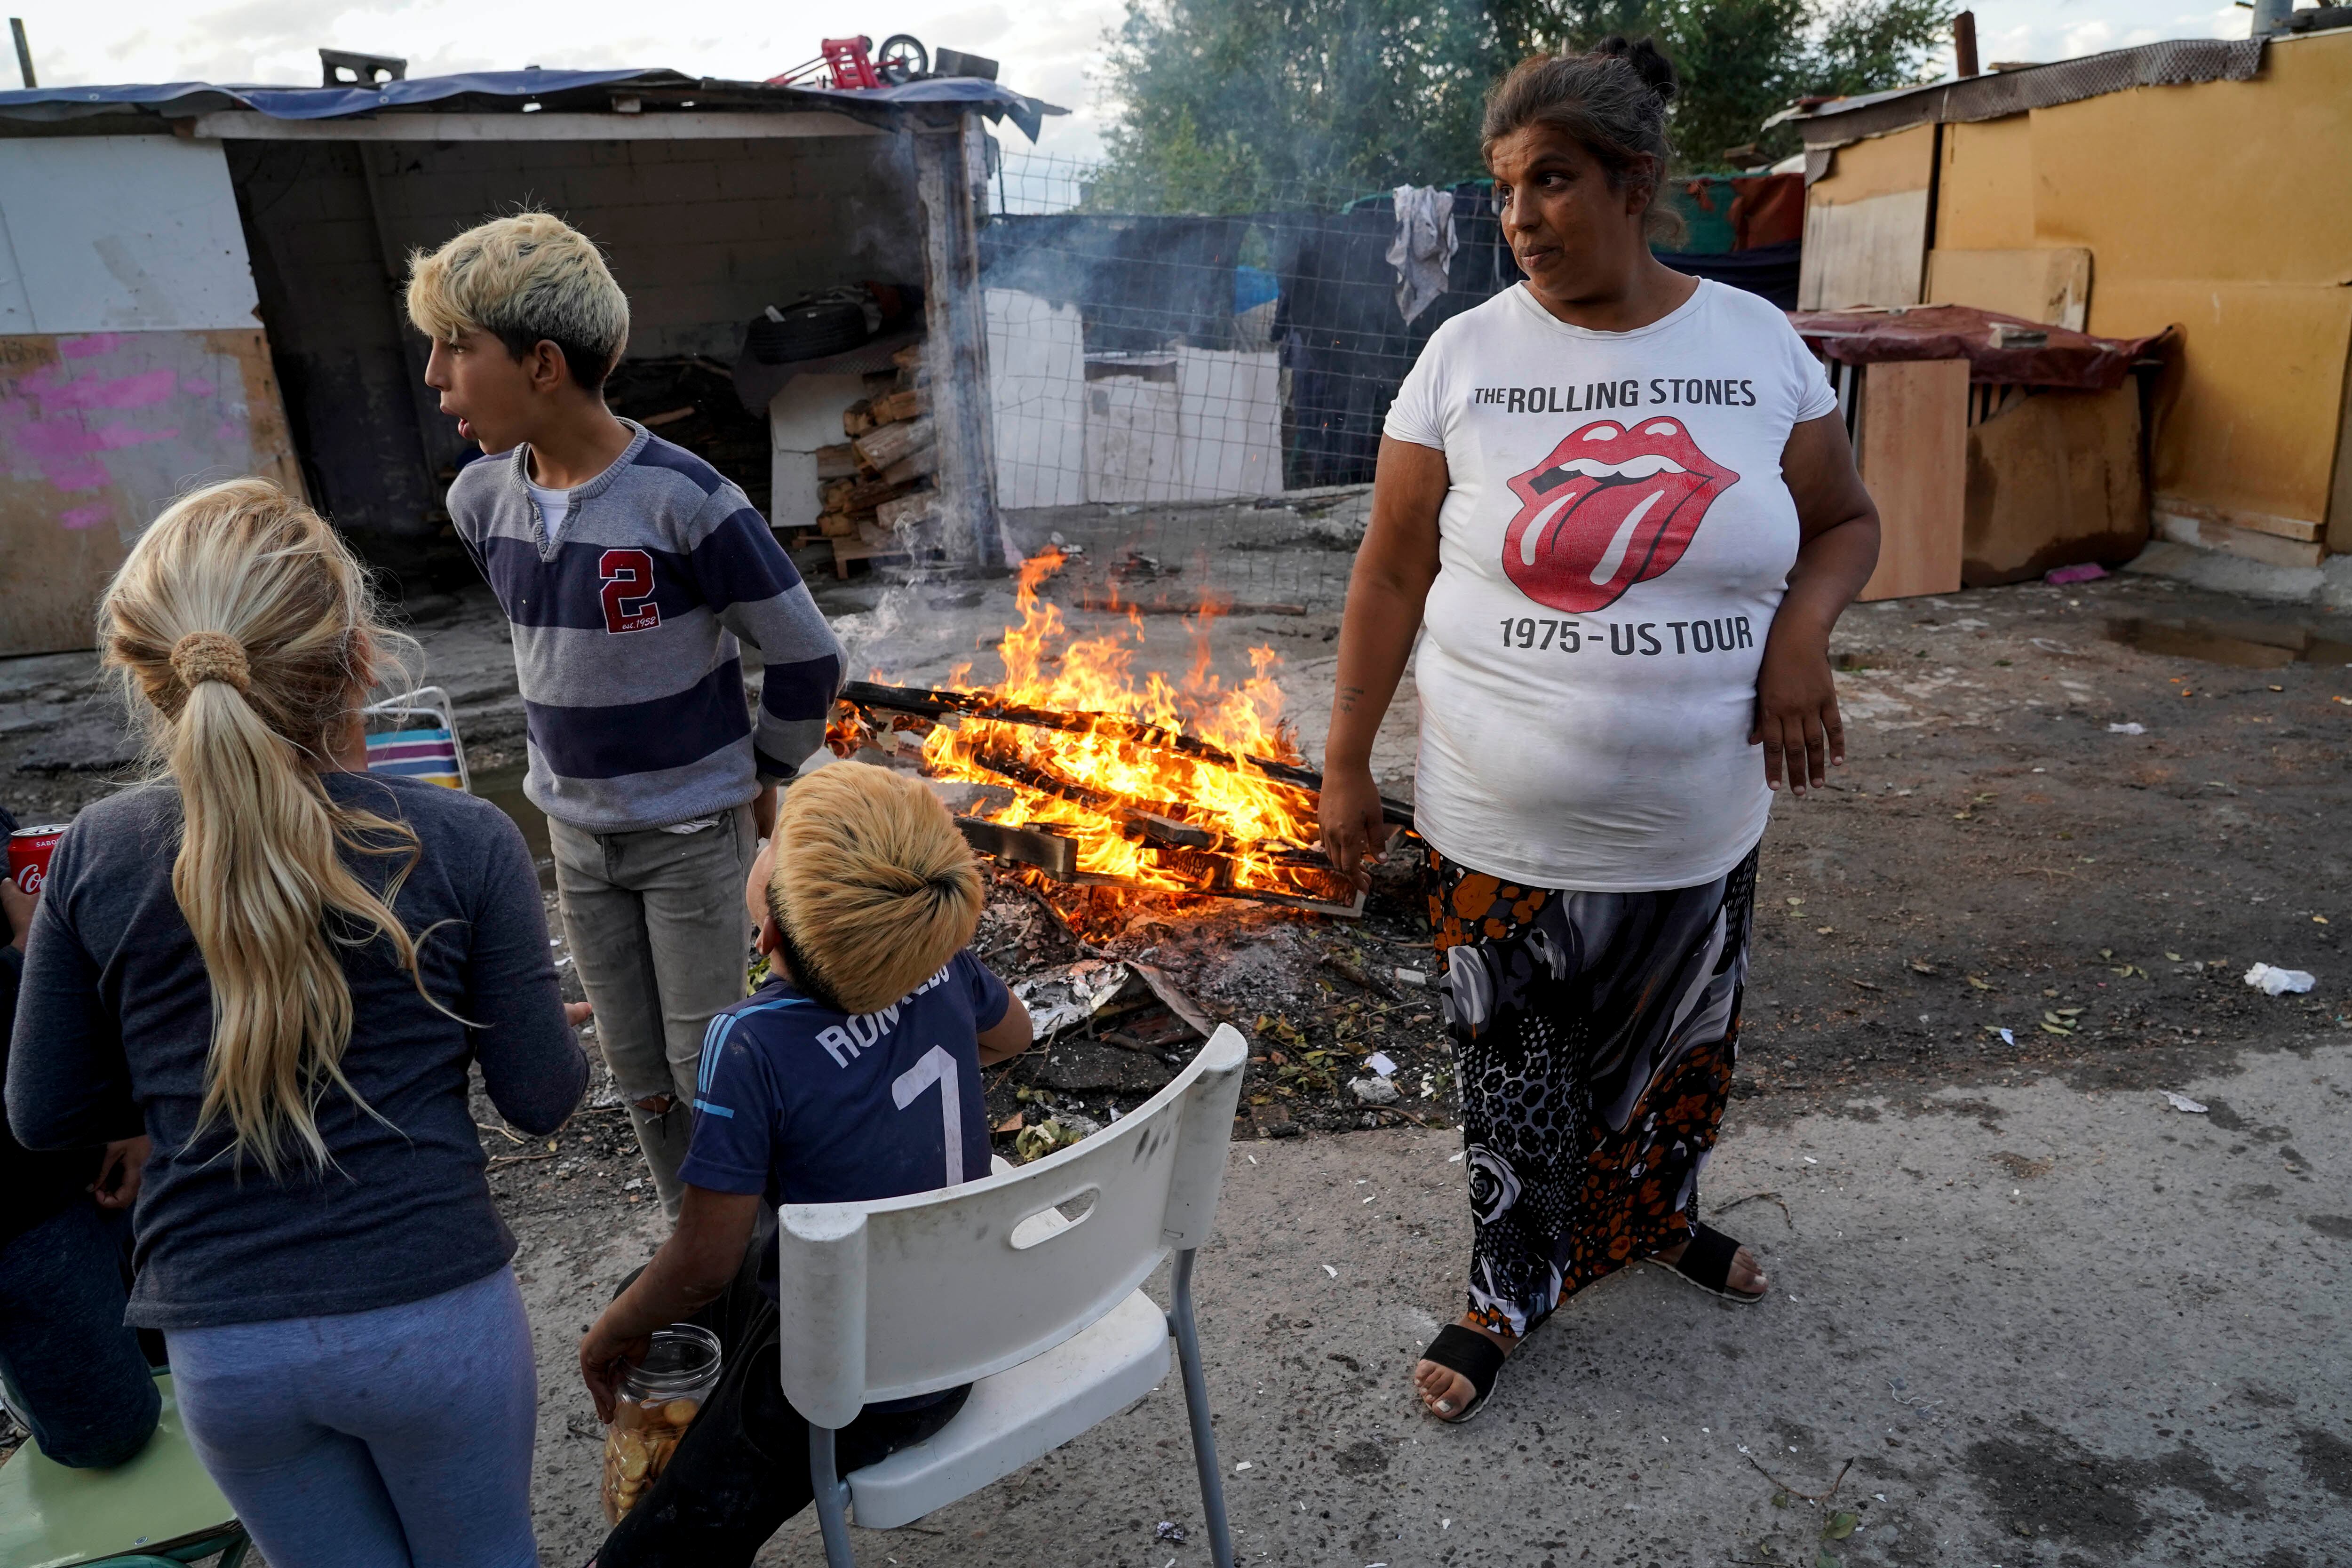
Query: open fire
x=1116 y=777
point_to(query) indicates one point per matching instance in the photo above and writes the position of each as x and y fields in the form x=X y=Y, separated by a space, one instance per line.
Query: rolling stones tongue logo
x=1613 y=505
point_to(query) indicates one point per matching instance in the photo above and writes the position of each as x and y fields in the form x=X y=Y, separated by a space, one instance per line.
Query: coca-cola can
x=29 y=849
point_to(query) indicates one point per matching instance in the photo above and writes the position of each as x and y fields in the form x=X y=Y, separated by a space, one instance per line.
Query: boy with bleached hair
x=853 y=1074
x=630 y=572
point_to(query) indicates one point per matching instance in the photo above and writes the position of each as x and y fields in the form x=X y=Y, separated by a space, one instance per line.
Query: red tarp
x=1767 y=209
x=1962 y=331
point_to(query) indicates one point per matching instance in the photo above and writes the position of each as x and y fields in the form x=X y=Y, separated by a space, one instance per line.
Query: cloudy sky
x=1050 y=50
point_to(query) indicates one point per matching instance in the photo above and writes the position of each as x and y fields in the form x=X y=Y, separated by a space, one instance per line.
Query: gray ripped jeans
x=657 y=925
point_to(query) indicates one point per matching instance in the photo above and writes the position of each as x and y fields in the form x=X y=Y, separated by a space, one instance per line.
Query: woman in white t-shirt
x=1618 y=507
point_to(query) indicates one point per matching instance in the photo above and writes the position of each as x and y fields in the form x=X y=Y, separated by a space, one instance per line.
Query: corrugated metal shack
x=2191 y=184
x=205 y=280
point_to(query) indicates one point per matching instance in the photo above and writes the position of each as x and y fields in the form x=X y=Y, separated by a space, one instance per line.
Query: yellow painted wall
x=1984 y=198
x=1877 y=167
x=2218 y=208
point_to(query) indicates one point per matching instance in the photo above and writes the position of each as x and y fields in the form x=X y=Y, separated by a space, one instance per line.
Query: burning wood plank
x=932 y=704
x=1147 y=781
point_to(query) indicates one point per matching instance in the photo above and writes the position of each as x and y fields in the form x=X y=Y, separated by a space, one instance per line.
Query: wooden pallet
x=846 y=551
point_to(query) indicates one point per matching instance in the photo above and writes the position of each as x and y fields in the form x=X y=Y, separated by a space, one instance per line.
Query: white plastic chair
x=988 y=1284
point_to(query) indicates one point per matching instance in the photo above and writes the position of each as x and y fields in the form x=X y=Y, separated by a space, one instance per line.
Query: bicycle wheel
x=901 y=59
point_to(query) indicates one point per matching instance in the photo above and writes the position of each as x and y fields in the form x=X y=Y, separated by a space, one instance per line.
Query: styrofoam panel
x=124 y=233
x=1036 y=374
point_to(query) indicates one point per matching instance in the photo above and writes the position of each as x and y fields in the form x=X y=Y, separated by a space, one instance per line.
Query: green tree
x=1226 y=105
x=1231 y=105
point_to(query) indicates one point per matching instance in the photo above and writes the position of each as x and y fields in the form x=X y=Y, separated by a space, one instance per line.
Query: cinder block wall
x=701 y=234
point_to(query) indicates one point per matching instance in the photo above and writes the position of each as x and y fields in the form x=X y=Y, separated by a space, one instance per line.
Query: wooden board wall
x=2054 y=478
x=1866 y=224
x=98 y=431
x=2050 y=284
x=1868 y=252
x=2197 y=204
x=1914 y=441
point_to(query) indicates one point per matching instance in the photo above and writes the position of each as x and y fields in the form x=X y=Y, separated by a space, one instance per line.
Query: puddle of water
x=502 y=787
x=2248 y=645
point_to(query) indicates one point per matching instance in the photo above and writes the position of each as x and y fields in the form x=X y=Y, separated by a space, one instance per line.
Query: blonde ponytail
x=244 y=629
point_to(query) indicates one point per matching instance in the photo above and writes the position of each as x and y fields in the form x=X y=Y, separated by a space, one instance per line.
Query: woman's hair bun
x=1648 y=63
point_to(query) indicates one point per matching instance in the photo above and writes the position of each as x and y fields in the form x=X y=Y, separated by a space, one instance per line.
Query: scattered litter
x=2127 y=729
x=2006 y=1037
x=1058 y=998
x=1252 y=1158
x=1412 y=976
x=2272 y=982
x=1375 y=1090
x=1050 y=1137
x=633 y=1184
x=1380 y=1063
x=2182 y=1102
x=1169 y=1530
x=1811 y=1161
x=2088 y=572
x=1454 y=1158
x=1334 y=1274
x=1243 y=1465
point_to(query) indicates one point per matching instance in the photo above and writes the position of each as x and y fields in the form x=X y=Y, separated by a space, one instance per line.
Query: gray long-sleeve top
x=628 y=623
x=113 y=1031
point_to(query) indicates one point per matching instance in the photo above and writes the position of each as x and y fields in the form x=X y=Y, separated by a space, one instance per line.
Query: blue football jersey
x=807 y=1105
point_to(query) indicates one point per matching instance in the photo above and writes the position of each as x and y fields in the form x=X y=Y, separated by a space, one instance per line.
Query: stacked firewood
x=880 y=479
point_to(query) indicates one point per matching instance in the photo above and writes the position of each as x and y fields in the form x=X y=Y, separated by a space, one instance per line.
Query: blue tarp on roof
x=344 y=103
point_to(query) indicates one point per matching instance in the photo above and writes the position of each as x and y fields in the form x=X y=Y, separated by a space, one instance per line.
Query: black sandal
x=1475 y=1356
x=1706 y=1263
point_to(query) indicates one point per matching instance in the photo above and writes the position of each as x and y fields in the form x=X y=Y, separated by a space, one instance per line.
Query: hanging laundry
x=1424 y=248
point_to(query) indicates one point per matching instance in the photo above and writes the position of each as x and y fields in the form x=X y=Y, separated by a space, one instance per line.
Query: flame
x=1257 y=820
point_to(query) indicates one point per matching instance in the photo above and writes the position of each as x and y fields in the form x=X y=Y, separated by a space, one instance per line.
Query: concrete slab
x=2046 y=1326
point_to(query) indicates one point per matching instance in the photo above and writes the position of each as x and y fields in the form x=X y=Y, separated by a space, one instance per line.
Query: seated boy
x=74 y=1374
x=853 y=1073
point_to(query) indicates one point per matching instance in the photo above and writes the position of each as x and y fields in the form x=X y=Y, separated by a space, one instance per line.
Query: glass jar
x=658 y=1399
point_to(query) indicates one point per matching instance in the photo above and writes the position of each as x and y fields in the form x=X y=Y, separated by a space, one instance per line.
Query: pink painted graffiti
x=59 y=391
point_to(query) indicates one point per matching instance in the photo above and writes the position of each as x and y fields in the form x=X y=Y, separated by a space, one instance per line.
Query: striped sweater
x=625 y=625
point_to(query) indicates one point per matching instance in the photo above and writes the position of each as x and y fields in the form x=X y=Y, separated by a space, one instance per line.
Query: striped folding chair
x=423 y=741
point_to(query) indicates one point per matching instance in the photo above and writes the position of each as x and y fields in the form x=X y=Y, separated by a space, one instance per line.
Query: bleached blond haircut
x=873 y=886
x=526 y=279
x=243 y=629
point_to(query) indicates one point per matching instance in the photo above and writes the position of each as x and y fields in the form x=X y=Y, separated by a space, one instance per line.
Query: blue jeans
x=391 y=1439
x=73 y=1372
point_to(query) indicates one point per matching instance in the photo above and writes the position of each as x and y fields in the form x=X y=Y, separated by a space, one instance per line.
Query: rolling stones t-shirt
x=1615 y=542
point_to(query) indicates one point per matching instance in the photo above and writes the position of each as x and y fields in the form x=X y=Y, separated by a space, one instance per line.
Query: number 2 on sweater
x=629 y=603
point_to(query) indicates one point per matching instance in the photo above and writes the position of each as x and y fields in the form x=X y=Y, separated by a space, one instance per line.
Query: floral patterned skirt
x=1593 y=1039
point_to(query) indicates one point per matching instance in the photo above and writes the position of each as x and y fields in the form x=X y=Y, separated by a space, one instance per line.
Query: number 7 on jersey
x=936 y=1067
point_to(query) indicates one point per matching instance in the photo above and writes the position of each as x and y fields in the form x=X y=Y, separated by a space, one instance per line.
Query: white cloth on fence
x=1424 y=248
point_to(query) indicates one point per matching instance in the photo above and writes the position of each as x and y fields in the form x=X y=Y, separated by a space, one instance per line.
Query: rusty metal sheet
x=2001 y=350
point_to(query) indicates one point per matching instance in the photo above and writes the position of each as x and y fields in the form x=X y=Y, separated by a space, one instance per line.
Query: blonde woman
x=288 y=965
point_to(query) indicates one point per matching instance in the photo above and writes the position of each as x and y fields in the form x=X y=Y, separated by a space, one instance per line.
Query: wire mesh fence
x=1141 y=354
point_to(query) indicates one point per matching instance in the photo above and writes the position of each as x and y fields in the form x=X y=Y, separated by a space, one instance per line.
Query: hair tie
x=211 y=656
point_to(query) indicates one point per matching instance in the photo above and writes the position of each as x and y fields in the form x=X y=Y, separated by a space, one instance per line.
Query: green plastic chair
x=159 y=1511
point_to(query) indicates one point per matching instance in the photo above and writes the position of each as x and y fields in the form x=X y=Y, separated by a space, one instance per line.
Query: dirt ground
x=2009 y=892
